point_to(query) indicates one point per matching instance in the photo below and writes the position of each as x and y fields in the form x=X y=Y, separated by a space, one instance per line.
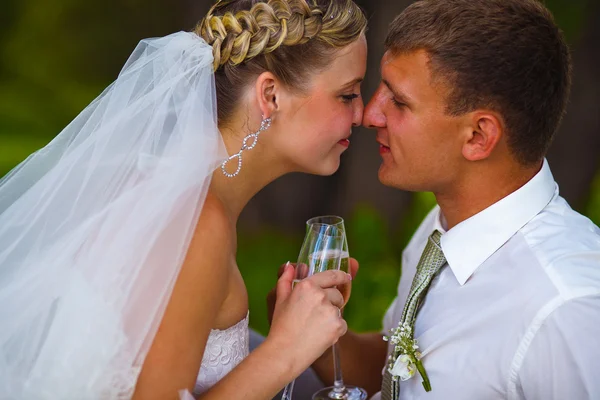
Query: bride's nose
x=373 y=116
x=358 y=110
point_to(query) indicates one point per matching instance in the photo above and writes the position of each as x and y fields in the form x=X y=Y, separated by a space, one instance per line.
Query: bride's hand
x=307 y=319
x=344 y=289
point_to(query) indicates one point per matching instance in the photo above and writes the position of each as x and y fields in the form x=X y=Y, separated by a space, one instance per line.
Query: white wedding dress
x=225 y=349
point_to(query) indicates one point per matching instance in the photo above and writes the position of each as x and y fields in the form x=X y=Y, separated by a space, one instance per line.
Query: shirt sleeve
x=563 y=359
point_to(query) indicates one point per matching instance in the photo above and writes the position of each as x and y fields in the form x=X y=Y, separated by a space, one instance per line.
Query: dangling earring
x=264 y=125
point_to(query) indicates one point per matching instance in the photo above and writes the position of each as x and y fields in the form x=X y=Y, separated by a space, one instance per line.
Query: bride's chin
x=324 y=167
x=330 y=166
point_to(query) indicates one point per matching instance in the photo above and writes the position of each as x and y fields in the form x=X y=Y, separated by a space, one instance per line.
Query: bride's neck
x=259 y=168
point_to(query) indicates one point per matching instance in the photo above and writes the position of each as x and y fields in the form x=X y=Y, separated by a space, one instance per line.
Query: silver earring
x=264 y=125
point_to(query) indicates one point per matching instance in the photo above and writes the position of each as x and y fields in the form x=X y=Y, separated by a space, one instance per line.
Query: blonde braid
x=262 y=29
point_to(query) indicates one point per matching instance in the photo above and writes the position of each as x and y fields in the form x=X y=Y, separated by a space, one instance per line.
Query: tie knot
x=436 y=238
x=432 y=258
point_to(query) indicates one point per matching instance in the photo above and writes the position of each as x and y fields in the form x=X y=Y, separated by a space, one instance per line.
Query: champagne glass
x=321 y=251
x=339 y=391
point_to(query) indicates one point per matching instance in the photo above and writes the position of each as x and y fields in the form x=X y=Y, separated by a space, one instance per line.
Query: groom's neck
x=480 y=188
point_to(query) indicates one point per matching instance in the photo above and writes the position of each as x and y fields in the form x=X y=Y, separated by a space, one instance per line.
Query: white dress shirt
x=515 y=312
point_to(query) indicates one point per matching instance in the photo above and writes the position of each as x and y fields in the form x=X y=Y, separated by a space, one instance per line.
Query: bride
x=118 y=277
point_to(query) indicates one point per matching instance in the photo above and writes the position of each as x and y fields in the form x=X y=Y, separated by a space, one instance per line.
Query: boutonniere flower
x=404 y=367
x=405 y=359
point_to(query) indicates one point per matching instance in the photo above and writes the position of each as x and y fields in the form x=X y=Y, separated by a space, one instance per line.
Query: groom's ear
x=483 y=131
x=268 y=90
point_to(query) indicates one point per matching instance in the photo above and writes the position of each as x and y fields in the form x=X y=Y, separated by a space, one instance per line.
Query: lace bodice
x=224 y=350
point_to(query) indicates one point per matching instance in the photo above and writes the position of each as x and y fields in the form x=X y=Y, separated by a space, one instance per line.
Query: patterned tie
x=430 y=263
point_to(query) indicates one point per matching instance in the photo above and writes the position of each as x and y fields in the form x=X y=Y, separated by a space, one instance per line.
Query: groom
x=501 y=282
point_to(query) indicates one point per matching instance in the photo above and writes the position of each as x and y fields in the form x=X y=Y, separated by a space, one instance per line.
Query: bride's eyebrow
x=352 y=83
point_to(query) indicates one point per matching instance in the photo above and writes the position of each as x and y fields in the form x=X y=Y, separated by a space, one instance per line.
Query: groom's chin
x=385 y=177
x=392 y=178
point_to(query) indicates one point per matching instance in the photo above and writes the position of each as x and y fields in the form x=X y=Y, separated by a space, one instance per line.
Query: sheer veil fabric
x=94 y=227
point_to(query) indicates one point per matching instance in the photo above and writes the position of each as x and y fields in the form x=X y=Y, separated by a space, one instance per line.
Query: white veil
x=94 y=227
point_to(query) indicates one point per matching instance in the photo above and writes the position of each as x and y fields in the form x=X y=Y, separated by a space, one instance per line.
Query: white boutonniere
x=405 y=360
x=404 y=367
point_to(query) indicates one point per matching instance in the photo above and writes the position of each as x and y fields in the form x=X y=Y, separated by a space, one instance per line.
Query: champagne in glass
x=321 y=261
x=328 y=260
x=339 y=390
x=337 y=222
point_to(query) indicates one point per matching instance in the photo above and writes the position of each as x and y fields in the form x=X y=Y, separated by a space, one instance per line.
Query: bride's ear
x=268 y=90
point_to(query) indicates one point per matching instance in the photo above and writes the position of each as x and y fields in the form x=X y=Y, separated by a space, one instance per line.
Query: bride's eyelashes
x=347 y=98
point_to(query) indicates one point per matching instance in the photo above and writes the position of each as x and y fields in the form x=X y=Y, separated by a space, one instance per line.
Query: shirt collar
x=467 y=245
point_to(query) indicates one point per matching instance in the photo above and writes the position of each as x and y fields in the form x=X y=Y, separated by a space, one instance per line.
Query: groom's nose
x=373 y=116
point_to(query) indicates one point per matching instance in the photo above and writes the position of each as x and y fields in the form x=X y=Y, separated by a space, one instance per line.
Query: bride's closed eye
x=347 y=98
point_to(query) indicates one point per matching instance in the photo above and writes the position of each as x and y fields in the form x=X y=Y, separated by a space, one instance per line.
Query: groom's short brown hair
x=507 y=55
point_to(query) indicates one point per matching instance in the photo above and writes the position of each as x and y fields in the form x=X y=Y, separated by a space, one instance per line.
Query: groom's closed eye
x=397 y=103
x=399 y=99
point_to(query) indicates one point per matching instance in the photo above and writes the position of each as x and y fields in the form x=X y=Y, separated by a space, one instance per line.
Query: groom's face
x=419 y=142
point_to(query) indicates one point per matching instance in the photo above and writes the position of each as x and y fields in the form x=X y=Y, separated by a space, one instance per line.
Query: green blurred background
x=58 y=55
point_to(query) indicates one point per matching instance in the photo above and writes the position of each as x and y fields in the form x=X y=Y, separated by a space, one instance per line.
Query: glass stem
x=338 y=380
x=287 y=392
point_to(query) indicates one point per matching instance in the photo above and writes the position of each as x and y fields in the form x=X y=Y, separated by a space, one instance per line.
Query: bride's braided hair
x=290 y=38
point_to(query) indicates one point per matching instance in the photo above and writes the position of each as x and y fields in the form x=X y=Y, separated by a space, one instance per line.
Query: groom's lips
x=383 y=149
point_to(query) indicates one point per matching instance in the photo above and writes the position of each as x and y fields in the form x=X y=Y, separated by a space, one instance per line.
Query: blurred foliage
x=56 y=56
x=569 y=15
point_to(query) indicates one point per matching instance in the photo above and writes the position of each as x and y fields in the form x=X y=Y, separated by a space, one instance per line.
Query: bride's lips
x=344 y=142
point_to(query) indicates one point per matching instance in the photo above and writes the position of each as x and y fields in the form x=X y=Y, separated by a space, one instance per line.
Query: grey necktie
x=429 y=265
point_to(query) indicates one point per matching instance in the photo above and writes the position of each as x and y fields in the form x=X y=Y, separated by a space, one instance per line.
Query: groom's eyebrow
x=401 y=97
